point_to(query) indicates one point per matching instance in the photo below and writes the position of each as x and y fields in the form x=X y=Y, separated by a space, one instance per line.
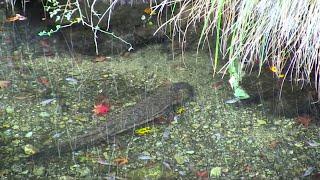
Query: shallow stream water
x=49 y=92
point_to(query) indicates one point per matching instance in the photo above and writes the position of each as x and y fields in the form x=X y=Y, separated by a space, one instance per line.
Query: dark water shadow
x=279 y=98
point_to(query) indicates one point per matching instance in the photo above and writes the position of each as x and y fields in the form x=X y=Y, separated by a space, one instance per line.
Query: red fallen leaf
x=101 y=109
x=304 y=120
x=202 y=174
x=44 y=81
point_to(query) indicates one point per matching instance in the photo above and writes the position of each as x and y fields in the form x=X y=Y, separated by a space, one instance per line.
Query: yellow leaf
x=181 y=110
x=30 y=150
x=273 y=69
x=143 y=131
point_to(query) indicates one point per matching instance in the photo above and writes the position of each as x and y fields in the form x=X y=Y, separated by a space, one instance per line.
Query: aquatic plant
x=281 y=34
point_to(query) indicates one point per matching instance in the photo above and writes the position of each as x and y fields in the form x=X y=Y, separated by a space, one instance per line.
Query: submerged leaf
x=144 y=157
x=44 y=114
x=101 y=109
x=10 y=110
x=261 y=122
x=232 y=101
x=202 y=174
x=143 y=131
x=215 y=172
x=103 y=162
x=72 y=81
x=121 y=161
x=4 y=84
x=217 y=85
x=29 y=134
x=47 y=101
x=313 y=143
x=30 y=150
x=44 y=81
x=308 y=171
x=179 y=158
x=273 y=144
x=304 y=120
x=17 y=17
x=181 y=110
x=101 y=58
x=44 y=43
x=39 y=170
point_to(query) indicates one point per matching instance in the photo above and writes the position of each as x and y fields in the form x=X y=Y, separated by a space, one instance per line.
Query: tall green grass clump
x=281 y=34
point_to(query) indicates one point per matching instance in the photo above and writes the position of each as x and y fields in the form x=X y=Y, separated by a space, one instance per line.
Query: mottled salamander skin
x=155 y=105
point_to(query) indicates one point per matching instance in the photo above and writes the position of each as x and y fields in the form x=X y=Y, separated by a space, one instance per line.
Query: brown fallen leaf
x=125 y=54
x=44 y=81
x=101 y=58
x=17 y=17
x=47 y=52
x=262 y=156
x=217 y=85
x=101 y=98
x=247 y=168
x=44 y=43
x=21 y=97
x=273 y=144
x=121 y=161
x=161 y=120
x=4 y=84
x=304 y=120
